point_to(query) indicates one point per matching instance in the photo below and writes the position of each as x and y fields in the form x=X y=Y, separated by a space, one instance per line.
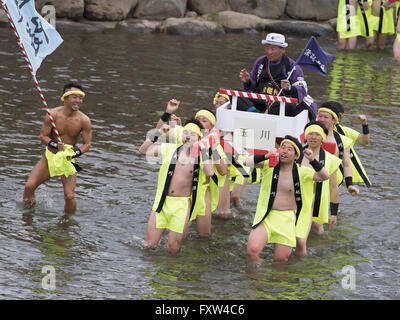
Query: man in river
x=179 y=180
x=328 y=114
x=270 y=72
x=285 y=199
x=358 y=171
x=59 y=158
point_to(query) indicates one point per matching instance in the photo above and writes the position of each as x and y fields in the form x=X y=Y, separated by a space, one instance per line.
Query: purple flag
x=314 y=58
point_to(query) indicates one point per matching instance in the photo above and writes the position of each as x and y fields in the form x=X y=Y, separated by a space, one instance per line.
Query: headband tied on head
x=332 y=113
x=68 y=93
x=296 y=148
x=207 y=114
x=193 y=127
x=315 y=128
x=220 y=95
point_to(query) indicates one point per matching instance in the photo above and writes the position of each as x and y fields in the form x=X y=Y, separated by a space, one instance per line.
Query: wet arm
x=222 y=167
x=363 y=138
x=321 y=175
x=220 y=163
x=148 y=148
x=334 y=188
x=45 y=132
x=208 y=167
x=86 y=136
x=347 y=171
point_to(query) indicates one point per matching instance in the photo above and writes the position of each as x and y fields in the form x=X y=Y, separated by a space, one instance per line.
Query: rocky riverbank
x=194 y=17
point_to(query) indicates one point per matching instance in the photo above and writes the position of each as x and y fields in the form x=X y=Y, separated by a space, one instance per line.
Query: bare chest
x=285 y=184
x=69 y=126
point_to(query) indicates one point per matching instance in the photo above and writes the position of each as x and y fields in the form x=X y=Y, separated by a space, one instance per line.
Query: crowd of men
x=200 y=177
x=373 y=20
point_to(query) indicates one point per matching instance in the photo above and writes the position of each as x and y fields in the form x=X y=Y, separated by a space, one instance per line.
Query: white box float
x=265 y=126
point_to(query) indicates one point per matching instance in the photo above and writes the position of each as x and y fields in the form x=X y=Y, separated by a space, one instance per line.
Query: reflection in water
x=364 y=78
x=98 y=253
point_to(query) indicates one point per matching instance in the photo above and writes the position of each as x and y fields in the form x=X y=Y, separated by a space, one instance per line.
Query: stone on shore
x=319 y=10
x=206 y=6
x=303 y=28
x=264 y=9
x=191 y=27
x=234 y=21
x=84 y=25
x=72 y=9
x=140 y=26
x=160 y=9
x=106 y=10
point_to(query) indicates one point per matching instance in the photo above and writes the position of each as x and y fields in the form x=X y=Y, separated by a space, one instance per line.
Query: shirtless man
x=178 y=181
x=207 y=119
x=326 y=193
x=284 y=203
x=328 y=115
x=70 y=123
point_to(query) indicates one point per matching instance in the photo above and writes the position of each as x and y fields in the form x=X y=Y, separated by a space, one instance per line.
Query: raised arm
x=363 y=138
x=172 y=107
x=148 y=147
x=321 y=173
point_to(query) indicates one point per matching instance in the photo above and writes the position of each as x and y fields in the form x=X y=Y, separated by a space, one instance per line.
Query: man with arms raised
x=328 y=115
x=179 y=180
x=284 y=203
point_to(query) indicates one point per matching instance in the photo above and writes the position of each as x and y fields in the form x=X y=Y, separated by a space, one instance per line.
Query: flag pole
x=289 y=75
x=21 y=46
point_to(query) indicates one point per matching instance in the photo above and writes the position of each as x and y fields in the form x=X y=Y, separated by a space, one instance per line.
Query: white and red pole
x=21 y=46
x=245 y=94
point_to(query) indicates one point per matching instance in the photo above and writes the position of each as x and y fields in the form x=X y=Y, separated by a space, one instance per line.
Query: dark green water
x=98 y=253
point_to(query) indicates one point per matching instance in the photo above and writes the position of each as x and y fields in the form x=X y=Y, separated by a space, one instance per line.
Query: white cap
x=276 y=39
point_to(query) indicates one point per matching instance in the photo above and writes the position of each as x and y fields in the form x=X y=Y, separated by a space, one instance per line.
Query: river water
x=98 y=253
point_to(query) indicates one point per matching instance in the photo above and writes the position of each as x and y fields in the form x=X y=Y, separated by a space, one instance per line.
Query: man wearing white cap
x=270 y=73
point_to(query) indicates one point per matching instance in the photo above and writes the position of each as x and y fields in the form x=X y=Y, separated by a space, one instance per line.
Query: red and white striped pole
x=259 y=96
x=21 y=46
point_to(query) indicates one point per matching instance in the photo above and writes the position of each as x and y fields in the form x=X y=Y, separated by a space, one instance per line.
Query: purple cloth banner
x=314 y=58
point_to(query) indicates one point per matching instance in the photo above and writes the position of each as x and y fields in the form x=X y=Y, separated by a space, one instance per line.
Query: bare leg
x=282 y=252
x=203 y=223
x=347 y=43
x=352 y=42
x=224 y=202
x=258 y=239
x=301 y=243
x=153 y=235
x=318 y=228
x=69 y=193
x=236 y=193
x=174 y=238
x=381 y=42
x=40 y=174
x=396 y=49
x=369 y=42
x=342 y=43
